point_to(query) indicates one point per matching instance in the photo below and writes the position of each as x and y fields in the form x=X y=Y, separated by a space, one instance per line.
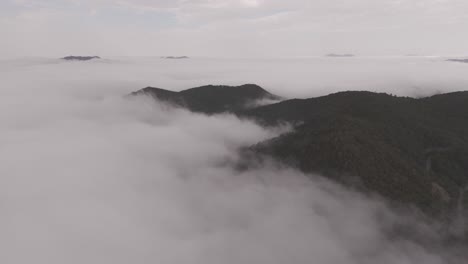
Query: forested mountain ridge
x=411 y=151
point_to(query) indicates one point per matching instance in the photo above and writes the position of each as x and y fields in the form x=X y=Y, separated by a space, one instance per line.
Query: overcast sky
x=233 y=28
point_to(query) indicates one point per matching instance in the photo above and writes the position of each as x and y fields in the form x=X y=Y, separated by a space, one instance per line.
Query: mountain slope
x=411 y=151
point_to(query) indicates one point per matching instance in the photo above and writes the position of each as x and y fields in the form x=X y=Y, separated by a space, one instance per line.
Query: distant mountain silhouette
x=211 y=99
x=459 y=60
x=339 y=55
x=175 y=57
x=81 y=58
x=411 y=151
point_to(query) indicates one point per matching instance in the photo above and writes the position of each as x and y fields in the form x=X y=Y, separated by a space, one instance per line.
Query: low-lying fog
x=306 y=77
x=90 y=177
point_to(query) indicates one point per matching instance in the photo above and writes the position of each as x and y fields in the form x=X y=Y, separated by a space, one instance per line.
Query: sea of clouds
x=89 y=176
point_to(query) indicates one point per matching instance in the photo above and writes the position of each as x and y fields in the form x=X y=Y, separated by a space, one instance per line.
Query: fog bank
x=287 y=77
x=88 y=176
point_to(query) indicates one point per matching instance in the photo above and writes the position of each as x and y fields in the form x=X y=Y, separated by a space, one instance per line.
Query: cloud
x=287 y=77
x=91 y=177
x=270 y=27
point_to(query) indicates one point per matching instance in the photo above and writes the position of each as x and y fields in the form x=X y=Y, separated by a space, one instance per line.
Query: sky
x=232 y=28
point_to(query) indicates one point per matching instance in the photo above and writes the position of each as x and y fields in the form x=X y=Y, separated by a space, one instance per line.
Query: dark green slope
x=362 y=103
x=355 y=151
x=409 y=150
x=452 y=109
x=211 y=99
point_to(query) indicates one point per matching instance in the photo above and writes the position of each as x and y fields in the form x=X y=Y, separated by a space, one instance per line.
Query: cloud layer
x=235 y=28
x=91 y=177
x=290 y=78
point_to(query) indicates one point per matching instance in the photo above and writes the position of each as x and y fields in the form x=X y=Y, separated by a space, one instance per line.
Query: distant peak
x=81 y=58
x=212 y=98
x=251 y=89
x=243 y=86
x=153 y=90
x=459 y=60
x=251 y=86
x=175 y=57
x=339 y=55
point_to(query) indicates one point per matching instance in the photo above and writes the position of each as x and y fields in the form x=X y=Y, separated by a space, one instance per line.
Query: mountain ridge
x=412 y=151
x=211 y=99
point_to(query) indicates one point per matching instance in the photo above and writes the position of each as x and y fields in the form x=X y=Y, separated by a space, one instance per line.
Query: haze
x=232 y=28
x=290 y=78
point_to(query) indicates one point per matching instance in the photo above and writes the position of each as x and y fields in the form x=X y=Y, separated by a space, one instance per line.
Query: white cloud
x=90 y=177
x=238 y=27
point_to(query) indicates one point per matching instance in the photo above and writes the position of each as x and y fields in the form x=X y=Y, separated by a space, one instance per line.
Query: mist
x=287 y=77
x=89 y=176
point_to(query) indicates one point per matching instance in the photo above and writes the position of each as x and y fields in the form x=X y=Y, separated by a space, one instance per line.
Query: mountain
x=459 y=60
x=175 y=57
x=212 y=99
x=410 y=151
x=80 y=58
